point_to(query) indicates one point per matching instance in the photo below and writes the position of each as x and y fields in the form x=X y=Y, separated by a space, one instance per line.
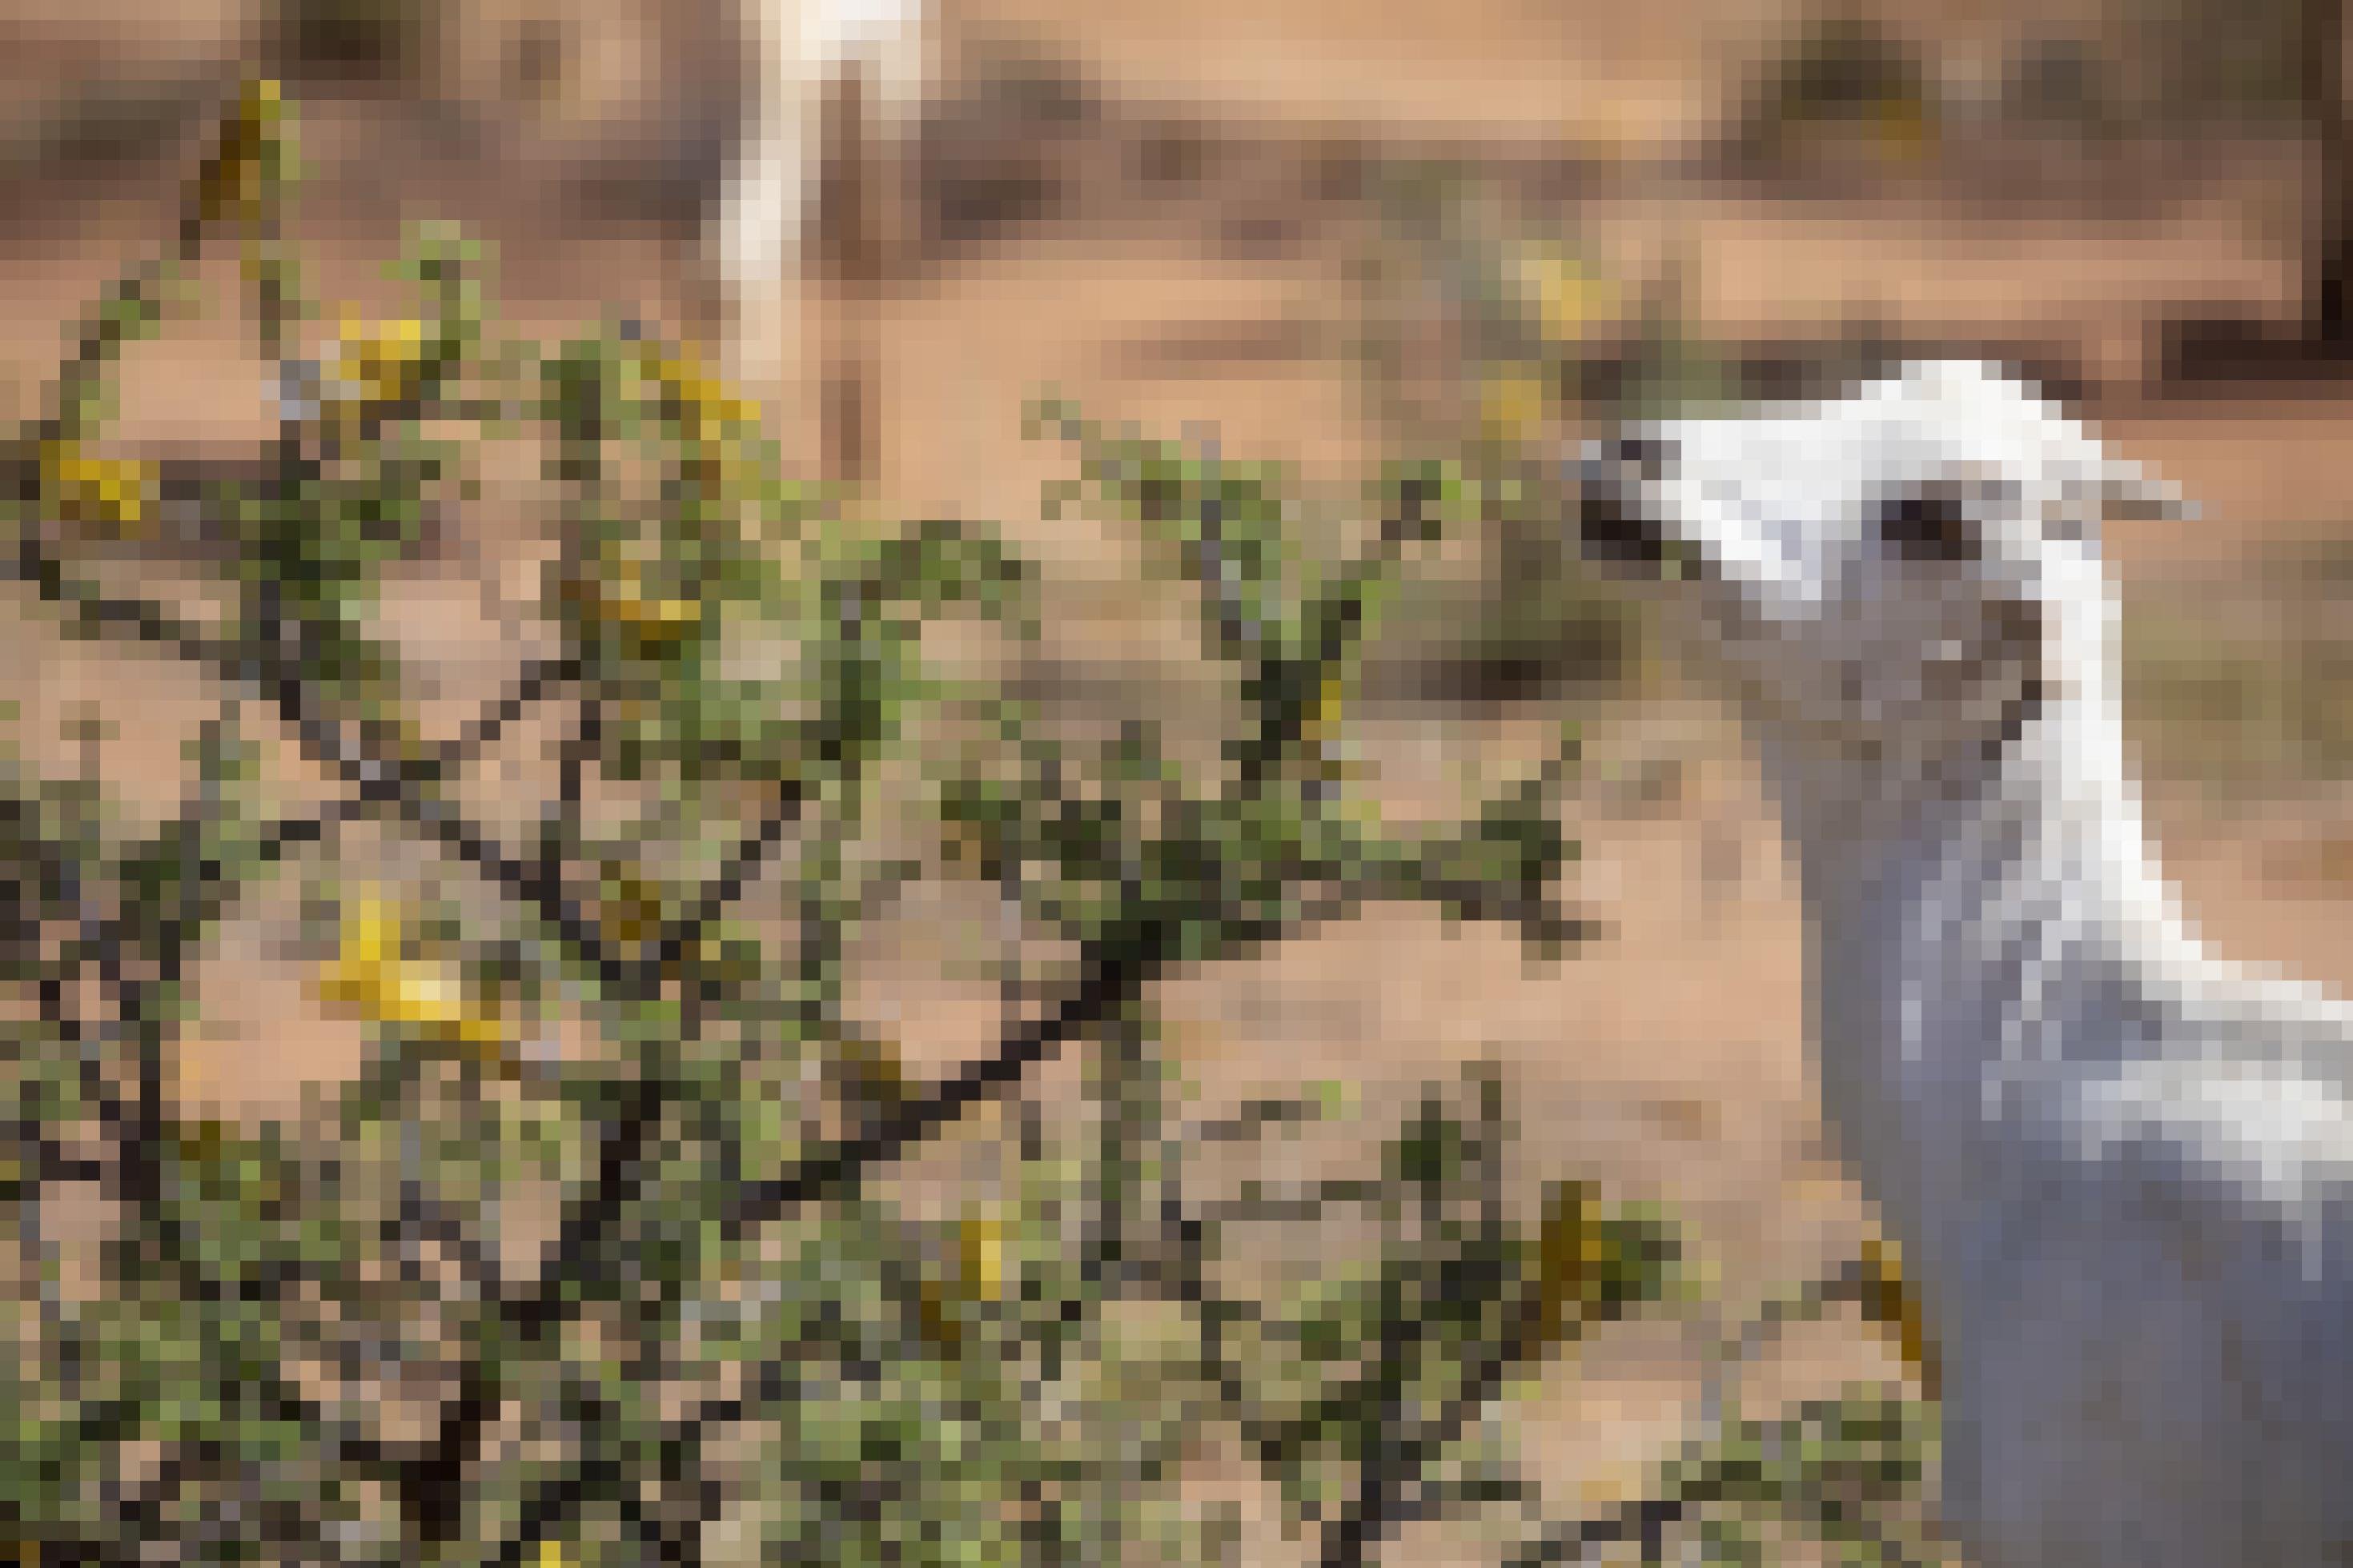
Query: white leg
x=761 y=238
x=762 y=222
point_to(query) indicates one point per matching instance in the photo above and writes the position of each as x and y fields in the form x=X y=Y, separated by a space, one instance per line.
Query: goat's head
x=1899 y=578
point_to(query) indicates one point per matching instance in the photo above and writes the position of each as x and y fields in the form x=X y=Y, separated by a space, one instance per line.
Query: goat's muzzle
x=1616 y=482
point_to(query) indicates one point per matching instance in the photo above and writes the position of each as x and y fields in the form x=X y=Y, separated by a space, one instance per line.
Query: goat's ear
x=2129 y=492
x=2115 y=490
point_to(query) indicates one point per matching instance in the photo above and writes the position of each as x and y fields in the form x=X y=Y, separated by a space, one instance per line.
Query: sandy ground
x=1666 y=1061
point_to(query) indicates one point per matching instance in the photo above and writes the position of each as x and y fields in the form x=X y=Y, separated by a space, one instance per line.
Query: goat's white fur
x=2118 y=1166
x=800 y=48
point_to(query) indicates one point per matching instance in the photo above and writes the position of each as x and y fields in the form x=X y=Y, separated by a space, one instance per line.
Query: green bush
x=312 y=1343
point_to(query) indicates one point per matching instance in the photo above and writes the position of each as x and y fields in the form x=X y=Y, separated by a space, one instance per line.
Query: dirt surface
x=1666 y=1061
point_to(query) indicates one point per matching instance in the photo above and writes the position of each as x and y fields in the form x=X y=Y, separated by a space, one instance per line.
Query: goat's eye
x=1930 y=523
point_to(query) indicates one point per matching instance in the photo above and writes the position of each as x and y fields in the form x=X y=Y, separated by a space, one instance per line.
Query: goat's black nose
x=1615 y=522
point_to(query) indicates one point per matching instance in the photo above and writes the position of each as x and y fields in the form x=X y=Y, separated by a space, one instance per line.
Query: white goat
x=800 y=48
x=2116 y=1164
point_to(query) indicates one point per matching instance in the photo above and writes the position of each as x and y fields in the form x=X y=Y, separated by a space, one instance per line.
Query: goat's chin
x=1847 y=762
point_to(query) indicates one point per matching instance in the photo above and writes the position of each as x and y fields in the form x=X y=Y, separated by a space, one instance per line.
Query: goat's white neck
x=1975 y=934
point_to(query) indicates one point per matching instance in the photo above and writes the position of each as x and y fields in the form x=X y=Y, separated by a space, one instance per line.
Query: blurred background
x=1277 y=216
